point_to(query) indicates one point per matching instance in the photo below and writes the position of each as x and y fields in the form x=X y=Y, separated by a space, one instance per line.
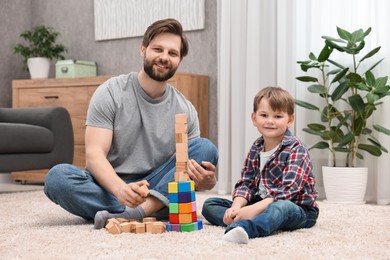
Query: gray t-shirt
x=143 y=128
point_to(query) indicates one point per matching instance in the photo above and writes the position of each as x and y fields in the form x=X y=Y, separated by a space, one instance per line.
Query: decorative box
x=75 y=69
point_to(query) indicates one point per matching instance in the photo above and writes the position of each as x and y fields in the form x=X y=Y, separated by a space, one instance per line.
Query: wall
x=74 y=19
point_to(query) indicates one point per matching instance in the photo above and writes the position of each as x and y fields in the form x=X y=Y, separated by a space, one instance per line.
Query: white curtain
x=259 y=44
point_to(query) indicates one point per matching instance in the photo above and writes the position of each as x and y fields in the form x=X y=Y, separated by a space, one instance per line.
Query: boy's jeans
x=280 y=215
x=77 y=191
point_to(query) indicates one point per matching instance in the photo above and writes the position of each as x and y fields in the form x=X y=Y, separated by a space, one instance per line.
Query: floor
x=8 y=185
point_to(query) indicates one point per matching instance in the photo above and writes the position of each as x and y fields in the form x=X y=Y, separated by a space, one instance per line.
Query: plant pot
x=38 y=67
x=345 y=184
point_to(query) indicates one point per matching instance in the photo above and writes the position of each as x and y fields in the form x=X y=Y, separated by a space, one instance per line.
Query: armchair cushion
x=23 y=138
x=50 y=141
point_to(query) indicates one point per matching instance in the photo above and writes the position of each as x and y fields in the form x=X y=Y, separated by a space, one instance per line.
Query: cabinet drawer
x=74 y=99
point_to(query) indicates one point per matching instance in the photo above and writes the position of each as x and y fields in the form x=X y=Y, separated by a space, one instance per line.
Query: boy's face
x=162 y=56
x=271 y=124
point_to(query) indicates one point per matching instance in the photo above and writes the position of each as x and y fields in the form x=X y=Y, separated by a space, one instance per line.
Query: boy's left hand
x=202 y=175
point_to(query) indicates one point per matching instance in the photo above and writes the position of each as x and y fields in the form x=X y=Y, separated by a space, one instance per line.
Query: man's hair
x=278 y=98
x=166 y=26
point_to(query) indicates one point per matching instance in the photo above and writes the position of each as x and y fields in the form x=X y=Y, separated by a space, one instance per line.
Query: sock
x=236 y=235
x=101 y=217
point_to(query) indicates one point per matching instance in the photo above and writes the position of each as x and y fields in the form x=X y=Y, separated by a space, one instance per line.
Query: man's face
x=162 y=56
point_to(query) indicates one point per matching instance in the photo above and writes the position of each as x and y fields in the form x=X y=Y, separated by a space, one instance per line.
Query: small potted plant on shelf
x=350 y=93
x=41 y=47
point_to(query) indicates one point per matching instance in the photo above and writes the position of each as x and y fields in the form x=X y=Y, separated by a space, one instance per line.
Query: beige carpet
x=32 y=227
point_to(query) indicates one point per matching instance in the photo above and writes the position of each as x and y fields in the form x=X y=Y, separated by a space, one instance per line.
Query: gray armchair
x=34 y=138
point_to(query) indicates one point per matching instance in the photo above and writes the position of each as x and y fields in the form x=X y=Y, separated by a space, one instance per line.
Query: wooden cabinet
x=74 y=94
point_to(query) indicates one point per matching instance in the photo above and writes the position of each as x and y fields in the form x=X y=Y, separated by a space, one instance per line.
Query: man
x=130 y=139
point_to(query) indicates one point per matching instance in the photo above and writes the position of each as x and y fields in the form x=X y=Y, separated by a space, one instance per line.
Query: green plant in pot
x=350 y=94
x=41 y=47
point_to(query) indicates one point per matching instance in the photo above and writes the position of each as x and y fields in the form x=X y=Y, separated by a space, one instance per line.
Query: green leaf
x=372 y=98
x=317 y=89
x=370 y=149
x=342 y=149
x=354 y=77
x=332 y=72
x=376 y=143
x=357 y=104
x=344 y=34
x=370 y=78
x=316 y=127
x=307 y=79
x=332 y=39
x=312 y=56
x=340 y=90
x=359 y=156
x=370 y=54
x=348 y=138
x=381 y=129
x=325 y=53
x=306 y=105
x=336 y=64
x=320 y=145
x=340 y=75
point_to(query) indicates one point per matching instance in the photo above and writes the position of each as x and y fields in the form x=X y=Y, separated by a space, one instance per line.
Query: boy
x=276 y=190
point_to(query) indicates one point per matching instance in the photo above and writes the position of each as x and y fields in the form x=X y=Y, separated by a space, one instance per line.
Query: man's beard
x=148 y=68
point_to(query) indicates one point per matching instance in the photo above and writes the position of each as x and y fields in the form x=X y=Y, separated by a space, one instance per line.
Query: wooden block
x=185 y=207
x=188 y=227
x=181 y=148
x=174 y=218
x=181 y=176
x=113 y=226
x=122 y=220
x=172 y=187
x=181 y=138
x=181 y=128
x=181 y=166
x=148 y=227
x=125 y=227
x=133 y=226
x=184 y=186
x=139 y=228
x=149 y=219
x=144 y=191
x=182 y=157
x=158 y=227
x=181 y=118
x=185 y=218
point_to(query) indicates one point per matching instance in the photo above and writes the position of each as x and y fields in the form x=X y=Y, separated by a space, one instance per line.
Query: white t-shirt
x=264 y=157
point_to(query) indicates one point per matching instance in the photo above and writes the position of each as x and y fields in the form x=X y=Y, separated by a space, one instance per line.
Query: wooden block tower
x=182 y=202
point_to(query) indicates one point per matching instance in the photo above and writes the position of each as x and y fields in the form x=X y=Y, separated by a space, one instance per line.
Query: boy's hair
x=166 y=26
x=278 y=98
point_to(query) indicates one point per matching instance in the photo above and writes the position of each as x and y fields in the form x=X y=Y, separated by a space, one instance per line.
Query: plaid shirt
x=286 y=176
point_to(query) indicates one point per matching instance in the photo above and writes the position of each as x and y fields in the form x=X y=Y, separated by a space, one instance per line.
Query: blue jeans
x=76 y=190
x=279 y=215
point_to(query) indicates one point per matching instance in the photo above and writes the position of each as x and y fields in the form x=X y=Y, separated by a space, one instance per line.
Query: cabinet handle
x=51 y=97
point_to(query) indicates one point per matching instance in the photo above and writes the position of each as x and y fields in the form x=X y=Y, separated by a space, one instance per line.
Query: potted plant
x=40 y=49
x=350 y=94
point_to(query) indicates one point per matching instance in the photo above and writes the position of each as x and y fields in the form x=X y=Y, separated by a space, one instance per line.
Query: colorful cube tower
x=182 y=202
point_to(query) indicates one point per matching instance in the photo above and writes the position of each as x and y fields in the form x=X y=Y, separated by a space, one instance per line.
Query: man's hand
x=133 y=194
x=203 y=175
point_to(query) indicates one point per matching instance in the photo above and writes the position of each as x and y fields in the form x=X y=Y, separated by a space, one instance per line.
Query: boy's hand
x=229 y=216
x=202 y=175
